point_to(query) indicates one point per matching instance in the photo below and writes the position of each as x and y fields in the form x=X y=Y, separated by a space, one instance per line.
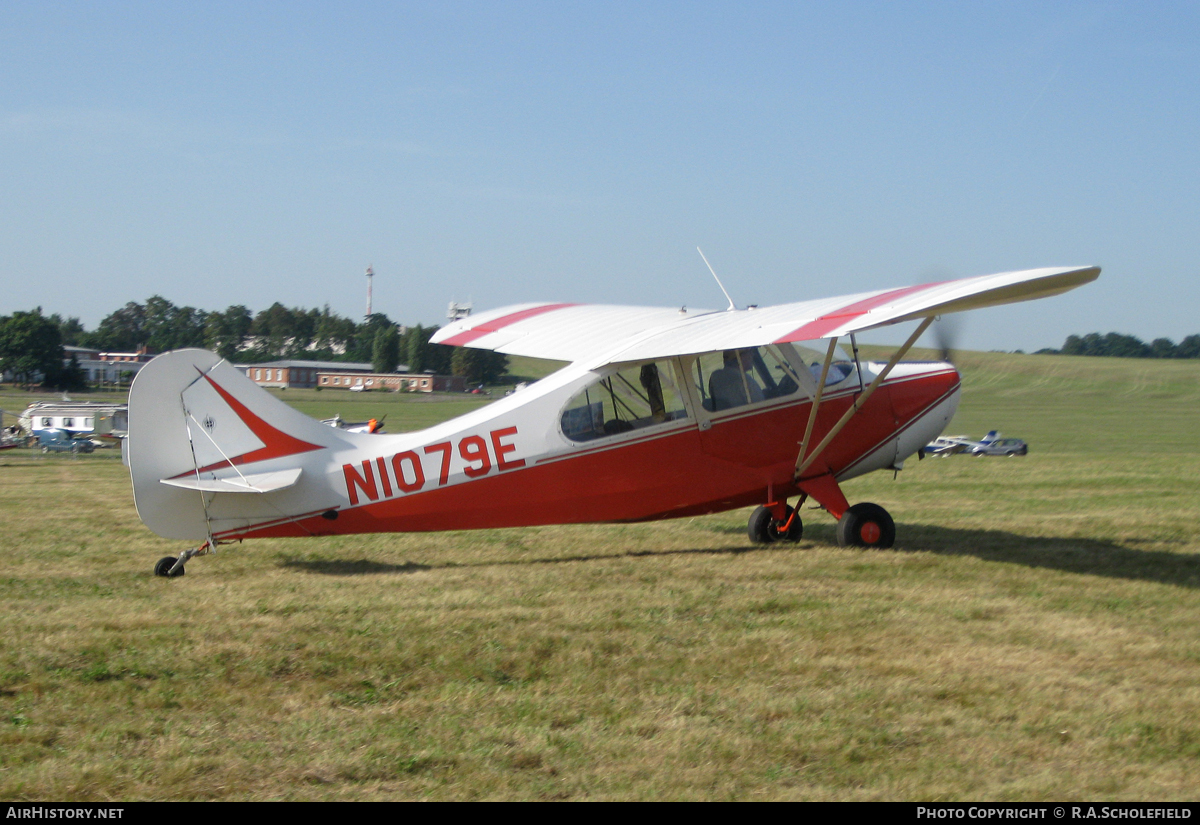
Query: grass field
x=1034 y=636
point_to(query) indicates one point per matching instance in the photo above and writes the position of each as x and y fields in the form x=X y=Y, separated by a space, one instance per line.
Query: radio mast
x=370 y=275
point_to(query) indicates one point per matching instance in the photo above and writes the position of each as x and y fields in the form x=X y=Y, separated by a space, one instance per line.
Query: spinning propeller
x=947 y=330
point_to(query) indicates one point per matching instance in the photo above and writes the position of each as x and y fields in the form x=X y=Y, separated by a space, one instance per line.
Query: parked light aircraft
x=948 y=445
x=661 y=413
x=991 y=444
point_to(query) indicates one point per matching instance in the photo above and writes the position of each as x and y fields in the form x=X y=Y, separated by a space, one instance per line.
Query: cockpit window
x=737 y=377
x=813 y=354
x=628 y=399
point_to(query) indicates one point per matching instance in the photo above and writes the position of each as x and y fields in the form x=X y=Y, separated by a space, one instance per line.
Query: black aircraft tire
x=866 y=525
x=163 y=568
x=763 y=529
x=759 y=526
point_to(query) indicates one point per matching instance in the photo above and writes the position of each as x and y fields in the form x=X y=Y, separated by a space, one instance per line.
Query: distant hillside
x=1060 y=403
x=522 y=368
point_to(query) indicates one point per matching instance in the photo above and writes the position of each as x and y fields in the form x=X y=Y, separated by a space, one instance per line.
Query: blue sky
x=225 y=153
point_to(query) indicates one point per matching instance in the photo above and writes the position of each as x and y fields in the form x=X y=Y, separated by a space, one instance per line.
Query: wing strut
x=812 y=415
x=802 y=462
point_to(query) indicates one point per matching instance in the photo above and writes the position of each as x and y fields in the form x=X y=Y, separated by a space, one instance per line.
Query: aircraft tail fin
x=200 y=430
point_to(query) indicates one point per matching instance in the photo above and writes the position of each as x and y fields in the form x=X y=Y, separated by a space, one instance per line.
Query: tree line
x=31 y=343
x=1116 y=345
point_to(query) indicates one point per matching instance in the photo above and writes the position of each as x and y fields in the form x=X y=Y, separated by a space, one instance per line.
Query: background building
x=295 y=373
x=420 y=382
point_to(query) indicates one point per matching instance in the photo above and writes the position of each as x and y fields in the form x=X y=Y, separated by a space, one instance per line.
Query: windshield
x=813 y=353
x=737 y=377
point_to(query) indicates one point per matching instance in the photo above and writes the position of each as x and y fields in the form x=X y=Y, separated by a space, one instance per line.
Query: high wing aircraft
x=661 y=413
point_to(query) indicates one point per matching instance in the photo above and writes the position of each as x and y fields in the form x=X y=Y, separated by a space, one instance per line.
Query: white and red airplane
x=661 y=413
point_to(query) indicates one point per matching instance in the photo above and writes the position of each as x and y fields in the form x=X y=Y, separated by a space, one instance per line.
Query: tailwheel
x=164 y=566
x=763 y=528
x=866 y=525
x=171 y=567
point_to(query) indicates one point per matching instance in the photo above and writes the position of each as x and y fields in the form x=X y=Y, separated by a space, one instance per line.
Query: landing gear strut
x=866 y=524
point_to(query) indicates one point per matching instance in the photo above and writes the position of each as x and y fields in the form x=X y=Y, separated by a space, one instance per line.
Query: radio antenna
x=718 y=280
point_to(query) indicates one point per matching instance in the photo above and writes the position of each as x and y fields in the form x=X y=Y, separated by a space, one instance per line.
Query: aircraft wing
x=560 y=332
x=570 y=332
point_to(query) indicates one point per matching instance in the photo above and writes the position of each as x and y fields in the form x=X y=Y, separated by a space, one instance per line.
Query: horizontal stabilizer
x=257 y=483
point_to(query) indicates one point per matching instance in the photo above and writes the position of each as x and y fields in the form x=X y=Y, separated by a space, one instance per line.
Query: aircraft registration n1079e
x=661 y=413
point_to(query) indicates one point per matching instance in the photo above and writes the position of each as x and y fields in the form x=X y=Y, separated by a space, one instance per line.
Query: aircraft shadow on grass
x=1084 y=556
x=1069 y=555
x=363 y=567
x=1077 y=555
x=358 y=567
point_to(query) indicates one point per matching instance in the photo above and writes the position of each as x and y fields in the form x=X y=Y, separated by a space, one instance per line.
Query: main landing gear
x=863 y=525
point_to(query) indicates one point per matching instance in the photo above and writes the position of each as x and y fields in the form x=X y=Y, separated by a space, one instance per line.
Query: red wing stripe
x=821 y=326
x=495 y=325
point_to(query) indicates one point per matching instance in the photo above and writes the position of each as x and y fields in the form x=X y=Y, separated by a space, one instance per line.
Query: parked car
x=61 y=441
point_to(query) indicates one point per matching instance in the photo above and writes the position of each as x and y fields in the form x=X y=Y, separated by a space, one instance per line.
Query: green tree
x=225 y=332
x=71 y=377
x=1162 y=348
x=304 y=330
x=363 y=346
x=423 y=356
x=274 y=328
x=30 y=347
x=437 y=357
x=1116 y=345
x=158 y=321
x=169 y=327
x=121 y=331
x=71 y=329
x=415 y=344
x=333 y=335
x=1189 y=347
x=478 y=366
x=385 y=353
x=1125 y=346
